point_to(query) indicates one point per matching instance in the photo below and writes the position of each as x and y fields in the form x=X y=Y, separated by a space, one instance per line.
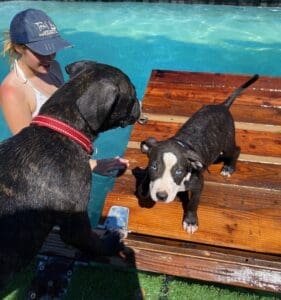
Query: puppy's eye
x=178 y=172
x=153 y=166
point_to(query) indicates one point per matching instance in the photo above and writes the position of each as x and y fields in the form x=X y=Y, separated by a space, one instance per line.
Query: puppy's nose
x=162 y=195
x=143 y=119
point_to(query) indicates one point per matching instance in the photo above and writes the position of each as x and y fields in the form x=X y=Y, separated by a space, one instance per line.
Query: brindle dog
x=45 y=177
x=177 y=164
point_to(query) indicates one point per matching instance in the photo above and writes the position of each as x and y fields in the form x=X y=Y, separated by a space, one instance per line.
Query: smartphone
x=117 y=218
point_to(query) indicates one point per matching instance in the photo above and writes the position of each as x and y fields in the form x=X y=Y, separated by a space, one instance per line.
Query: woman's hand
x=109 y=166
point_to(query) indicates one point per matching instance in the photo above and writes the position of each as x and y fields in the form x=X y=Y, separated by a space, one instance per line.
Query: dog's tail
x=238 y=91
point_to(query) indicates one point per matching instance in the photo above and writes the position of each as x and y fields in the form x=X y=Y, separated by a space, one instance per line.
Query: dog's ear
x=77 y=67
x=147 y=144
x=97 y=102
x=195 y=160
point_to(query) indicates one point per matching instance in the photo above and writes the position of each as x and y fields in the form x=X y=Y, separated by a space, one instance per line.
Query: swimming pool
x=139 y=37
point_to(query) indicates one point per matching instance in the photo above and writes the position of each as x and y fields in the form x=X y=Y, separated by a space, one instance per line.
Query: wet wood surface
x=251 y=141
x=242 y=212
x=207 y=263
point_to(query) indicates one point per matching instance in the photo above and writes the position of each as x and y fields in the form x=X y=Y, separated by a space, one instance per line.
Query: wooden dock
x=238 y=241
x=239 y=236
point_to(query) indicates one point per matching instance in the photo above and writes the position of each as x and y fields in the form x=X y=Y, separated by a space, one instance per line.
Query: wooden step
x=246 y=224
x=186 y=259
x=256 y=142
x=250 y=171
x=183 y=93
x=208 y=263
x=239 y=215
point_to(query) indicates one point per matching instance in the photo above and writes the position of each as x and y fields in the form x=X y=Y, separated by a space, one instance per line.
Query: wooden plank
x=263 y=113
x=220 y=195
x=226 y=266
x=211 y=95
x=255 y=229
x=251 y=142
x=206 y=95
x=239 y=125
x=54 y=246
x=208 y=263
x=213 y=80
x=254 y=174
x=242 y=157
x=167 y=90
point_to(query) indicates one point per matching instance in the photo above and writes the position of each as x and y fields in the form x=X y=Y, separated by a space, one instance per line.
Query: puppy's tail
x=238 y=91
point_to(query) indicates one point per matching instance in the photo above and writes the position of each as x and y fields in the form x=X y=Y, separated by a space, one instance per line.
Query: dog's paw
x=112 y=242
x=190 y=223
x=143 y=196
x=189 y=228
x=226 y=171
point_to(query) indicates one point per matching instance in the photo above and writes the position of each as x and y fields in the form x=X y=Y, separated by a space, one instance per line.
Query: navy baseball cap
x=36 y=30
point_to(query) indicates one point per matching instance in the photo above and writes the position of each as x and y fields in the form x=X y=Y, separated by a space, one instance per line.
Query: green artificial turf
x=104 y=282
x=187 y=289
x=16 y=290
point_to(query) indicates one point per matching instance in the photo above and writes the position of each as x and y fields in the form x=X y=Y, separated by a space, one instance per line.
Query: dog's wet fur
x=176 y=164
x=45 y=177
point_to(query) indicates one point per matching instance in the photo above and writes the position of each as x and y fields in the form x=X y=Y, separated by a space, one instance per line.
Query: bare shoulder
x=14 y=101
x=11 y=89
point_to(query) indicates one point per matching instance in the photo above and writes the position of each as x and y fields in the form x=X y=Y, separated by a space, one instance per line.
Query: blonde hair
x=9 y=48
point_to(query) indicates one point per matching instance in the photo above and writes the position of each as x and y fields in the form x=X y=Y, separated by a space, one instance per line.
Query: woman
x=32 y=43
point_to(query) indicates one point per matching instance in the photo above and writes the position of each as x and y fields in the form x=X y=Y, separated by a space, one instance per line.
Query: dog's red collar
x=64 y=129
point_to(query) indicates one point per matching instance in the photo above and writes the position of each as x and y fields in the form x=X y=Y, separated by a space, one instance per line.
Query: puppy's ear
x=97 y=103
x=197 y=165
x=76 y=67
x=195 y=160
x=147 y=144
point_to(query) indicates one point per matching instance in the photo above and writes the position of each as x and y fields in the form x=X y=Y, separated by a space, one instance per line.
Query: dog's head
x=170 y=168
x=103 y=95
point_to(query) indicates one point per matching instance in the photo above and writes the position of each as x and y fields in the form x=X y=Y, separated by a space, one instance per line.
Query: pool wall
x=263 y=3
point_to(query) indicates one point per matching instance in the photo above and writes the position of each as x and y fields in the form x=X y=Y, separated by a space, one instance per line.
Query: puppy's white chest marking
x=182 y=187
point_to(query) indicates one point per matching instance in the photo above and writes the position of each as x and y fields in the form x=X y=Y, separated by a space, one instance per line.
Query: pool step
x=240 y=215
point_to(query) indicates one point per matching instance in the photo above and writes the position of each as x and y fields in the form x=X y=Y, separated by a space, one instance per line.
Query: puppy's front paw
x=190 y=222
x=142 y=191
x=227 y=171
x=112 y=242
x=189 y=228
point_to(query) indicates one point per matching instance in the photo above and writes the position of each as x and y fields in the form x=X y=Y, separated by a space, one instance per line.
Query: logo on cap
x=46 y=28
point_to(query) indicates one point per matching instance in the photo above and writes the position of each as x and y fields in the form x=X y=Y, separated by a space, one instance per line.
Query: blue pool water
x=139 y=37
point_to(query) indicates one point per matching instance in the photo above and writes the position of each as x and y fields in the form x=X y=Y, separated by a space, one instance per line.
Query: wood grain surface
x=242 y=212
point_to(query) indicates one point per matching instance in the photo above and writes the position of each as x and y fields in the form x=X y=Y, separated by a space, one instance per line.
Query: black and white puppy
x=176 y=164
x=45 y=177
